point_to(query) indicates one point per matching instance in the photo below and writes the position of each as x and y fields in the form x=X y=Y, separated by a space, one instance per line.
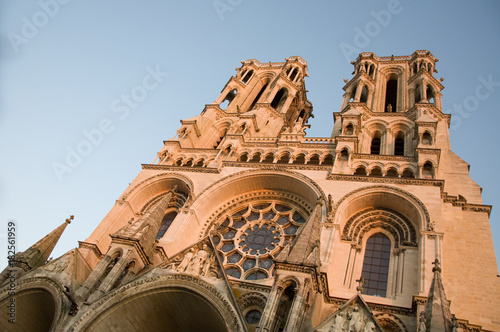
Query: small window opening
x=360 y=171
x=228 y=99
x=344 y=155
x=391 y=173
x=314 y=160
x=349 y=129
x=247 y=76
x=407 y=173
x=428 y=171
x=328 y=160
x=376 y=171
x=372 y=70
x=426 y=138
x=430 y=95
x=244 y=157
x=300 y=159
x=418 y=96
x=269 y=158
x=256 y=158
x=399 y=145
x=284 y=159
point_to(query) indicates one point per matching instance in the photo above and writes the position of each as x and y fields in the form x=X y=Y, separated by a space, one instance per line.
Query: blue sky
x=65 y=66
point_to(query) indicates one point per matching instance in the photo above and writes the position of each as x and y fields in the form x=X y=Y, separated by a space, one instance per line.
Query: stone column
x=269 y=314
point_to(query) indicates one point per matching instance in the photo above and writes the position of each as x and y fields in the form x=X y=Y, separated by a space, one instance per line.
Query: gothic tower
x=243 y=223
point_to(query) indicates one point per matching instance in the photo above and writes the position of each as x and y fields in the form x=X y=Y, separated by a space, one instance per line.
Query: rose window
x=250 y=238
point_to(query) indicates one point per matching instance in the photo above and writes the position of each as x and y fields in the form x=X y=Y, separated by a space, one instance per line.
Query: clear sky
x=65 y=66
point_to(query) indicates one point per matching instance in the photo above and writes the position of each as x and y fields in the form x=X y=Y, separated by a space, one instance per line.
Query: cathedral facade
x=243 y=223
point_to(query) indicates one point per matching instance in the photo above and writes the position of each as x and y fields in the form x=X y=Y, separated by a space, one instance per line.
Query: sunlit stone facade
x=243 y=223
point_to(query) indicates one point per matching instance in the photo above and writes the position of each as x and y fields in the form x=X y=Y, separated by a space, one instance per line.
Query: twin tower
x=244 y=223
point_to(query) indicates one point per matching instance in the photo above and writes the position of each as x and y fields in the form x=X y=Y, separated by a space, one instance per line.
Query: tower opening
x=391 y=94
x=228 y=99
x=284 y=307
x=257 y=97
x=279 y=98
x=364 y=95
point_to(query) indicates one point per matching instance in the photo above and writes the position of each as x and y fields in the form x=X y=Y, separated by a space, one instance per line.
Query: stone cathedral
x=244 y=223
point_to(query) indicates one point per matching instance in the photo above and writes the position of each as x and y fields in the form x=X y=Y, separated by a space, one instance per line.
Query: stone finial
x=361 y=282
x=437 y=266
x=71 y=217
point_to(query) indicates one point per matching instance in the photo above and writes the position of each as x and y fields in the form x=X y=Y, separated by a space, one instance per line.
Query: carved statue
x=361 y=282
x=185 y=261
x=198 y=261
x=338 y=323
x=208 y=263
x=369 y=327
x=389 y=108
x=330 y=203
x=421 y=325
x=355 y=321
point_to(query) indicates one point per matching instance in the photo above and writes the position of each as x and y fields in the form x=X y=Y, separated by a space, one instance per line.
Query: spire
x=437 y=310
x=37 y=254
x=305 y=250
x=145 y=229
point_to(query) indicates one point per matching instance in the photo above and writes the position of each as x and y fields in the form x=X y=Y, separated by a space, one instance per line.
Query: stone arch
x=382 y=196
x=141 y=194
x=390 y=322
x=221 y=194
x=400 y=227
x=191 y=303
x=40 y=305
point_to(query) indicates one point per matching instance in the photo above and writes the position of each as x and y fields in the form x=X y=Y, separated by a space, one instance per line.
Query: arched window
x=399 y=144
x=376 y=265
x=247 y=76
x=279 y=98
x=426 y=138
x=349 y=129
x=375 y=145
x=344 y=155
x=428 y=171
x=165 y=224
x=256 y=158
